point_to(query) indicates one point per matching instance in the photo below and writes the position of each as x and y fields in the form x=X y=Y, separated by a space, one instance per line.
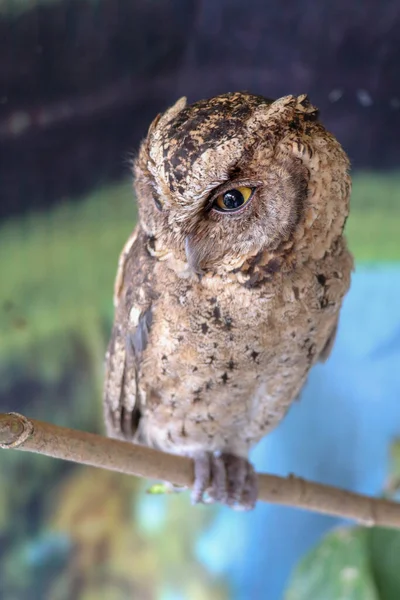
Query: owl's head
x=237 y=176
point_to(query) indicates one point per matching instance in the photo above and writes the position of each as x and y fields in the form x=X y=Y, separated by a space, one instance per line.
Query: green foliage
x=374 y=223
x=373 y=235
x=384 y=548
x=337 y=569
x=350 y=564
x=57 y=277
x=376 y=191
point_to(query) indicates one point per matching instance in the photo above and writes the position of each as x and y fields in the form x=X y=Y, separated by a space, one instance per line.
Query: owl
x=229 y=289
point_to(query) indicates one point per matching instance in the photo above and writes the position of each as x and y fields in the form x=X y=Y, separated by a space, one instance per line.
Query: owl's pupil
x=233 y=199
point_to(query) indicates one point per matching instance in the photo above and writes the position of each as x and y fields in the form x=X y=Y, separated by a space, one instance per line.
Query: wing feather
x=133 y=319
x=329 y=344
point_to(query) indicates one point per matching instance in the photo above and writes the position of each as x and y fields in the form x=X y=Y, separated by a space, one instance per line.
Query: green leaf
x=337 y=569
x=384 y=548
x=158 y=488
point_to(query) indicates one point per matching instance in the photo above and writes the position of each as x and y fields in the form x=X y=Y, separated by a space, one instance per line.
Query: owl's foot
x=224 y=478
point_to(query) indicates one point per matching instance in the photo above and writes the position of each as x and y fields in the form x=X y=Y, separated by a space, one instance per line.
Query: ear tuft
x=305 y=107
x=172 y=111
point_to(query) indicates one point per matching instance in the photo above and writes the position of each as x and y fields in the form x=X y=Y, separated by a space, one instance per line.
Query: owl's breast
x=224 y=362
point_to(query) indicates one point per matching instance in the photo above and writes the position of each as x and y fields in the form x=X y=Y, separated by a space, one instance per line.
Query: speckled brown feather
x=219 y=318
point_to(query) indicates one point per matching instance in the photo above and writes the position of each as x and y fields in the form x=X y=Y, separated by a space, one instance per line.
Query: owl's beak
x=193 y=256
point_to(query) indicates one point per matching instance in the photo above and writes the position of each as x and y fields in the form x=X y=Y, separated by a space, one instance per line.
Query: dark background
x=81 y=80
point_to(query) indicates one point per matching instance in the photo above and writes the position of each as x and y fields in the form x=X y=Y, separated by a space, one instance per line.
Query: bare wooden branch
x=16 y=431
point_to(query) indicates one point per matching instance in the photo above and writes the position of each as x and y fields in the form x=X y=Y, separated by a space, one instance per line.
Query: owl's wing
x=329 y=344
x=132 y=300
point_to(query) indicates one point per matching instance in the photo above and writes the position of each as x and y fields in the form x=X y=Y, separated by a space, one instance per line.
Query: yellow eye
x=232 y=200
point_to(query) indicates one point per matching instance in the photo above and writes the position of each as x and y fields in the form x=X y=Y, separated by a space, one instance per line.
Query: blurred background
x=80 y=81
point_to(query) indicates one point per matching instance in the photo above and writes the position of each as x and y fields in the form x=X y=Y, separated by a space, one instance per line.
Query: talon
x=202 y=477
x=225 y=478
x=218 y=491
x=236 y=470
x=250 y=491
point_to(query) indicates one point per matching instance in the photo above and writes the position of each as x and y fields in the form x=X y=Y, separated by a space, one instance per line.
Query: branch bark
x=16 y=431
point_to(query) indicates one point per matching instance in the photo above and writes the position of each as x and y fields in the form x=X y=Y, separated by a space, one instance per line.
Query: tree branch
x=16 y=431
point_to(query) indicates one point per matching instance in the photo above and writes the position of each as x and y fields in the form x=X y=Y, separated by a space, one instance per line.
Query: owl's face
x=225 y=179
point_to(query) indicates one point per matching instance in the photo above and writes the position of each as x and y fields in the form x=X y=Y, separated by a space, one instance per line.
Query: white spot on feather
x=134 y=315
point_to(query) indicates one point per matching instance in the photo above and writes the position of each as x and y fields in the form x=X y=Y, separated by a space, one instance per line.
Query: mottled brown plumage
x=219 y=316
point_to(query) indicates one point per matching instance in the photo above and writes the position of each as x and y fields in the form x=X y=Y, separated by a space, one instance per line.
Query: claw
x=202 y=477
x=224 y=478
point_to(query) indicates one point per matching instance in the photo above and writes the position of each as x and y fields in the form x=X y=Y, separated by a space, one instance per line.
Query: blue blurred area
x=338 y=433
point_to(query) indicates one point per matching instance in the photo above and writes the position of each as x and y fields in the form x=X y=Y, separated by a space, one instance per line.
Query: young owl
x=230 y=287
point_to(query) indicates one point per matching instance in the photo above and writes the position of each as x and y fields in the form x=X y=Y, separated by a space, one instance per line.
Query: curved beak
x=193 y=254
